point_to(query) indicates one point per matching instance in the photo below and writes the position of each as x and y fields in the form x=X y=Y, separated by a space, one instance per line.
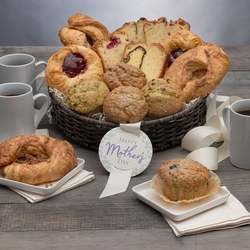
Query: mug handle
x=39 y=113
x=41 y=75
x=226 y=119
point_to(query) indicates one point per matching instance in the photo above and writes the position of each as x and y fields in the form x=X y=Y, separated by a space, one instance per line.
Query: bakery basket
x=164 y=133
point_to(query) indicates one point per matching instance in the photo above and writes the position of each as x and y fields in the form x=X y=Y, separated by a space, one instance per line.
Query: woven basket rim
x=189 y=107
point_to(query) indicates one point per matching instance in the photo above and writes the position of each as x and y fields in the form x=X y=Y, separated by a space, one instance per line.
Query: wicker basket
x=164 y=133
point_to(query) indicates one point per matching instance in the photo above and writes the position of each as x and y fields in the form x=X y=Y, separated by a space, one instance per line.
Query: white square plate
x=178 y=212
x=43 y=189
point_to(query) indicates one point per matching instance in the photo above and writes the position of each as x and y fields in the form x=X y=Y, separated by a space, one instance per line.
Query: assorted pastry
x=125 y=104
x=36 y=159
x=184 y=181
x=146 y=69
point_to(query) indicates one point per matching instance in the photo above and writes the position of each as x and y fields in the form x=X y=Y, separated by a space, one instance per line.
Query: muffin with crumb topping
x=87 y=96
x=124 y=74
x=184 y=180
x=163 y=98
x=125 y=105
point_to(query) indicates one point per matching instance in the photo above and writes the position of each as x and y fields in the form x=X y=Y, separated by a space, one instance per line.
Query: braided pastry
x=92 y=28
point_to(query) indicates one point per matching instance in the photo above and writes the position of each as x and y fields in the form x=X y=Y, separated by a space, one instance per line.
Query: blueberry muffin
x=87 y=96
x=184 y=179
x=163 y=98
x=124 y=75
x=125 y=104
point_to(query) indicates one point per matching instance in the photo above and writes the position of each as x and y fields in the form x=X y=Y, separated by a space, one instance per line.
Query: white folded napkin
x=228 y=215
x=79 y=179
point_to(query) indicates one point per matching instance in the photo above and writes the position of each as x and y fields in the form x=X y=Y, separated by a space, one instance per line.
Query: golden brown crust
x=184 y=40
x=150 y=59
x=124 y=75
x=161 y=30
x=125 y=104
x=55 y=75
x=134 y=30
x=198 y=71
x=183 y=179
x=87 y=96
x=88 y=25
x=36 y=159
x=69 y=36
x=111 y=55
x=163 y=98
x=129 y=29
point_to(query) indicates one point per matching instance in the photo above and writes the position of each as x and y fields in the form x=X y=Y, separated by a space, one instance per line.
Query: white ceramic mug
x=239 y=132
x=22 y=68
x=17 y=113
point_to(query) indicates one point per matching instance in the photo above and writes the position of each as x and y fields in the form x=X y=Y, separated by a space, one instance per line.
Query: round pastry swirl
x=72 y=64
x=182 y=179
x=36 y=159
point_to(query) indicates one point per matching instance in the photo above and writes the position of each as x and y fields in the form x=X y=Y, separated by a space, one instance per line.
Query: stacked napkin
x=79 y=179
x=228 y=215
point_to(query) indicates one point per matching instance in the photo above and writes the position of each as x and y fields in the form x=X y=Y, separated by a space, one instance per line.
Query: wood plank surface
x=77 y=219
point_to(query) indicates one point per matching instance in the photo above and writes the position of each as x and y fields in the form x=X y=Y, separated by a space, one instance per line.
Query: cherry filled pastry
x=72 y=64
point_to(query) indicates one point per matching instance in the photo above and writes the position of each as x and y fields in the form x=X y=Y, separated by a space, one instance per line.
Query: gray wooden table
x=79 y=220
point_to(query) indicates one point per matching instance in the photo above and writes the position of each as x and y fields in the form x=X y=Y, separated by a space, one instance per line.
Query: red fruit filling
x=114 y=41
x=74 y=64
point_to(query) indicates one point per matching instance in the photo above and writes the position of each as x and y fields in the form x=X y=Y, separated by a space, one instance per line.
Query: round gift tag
x=125 y=149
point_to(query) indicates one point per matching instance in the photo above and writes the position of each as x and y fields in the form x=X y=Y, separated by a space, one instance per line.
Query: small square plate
x=43 y=189
x=178 y=212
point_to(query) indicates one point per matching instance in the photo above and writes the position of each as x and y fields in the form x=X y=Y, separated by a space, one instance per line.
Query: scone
x=199 y=70
x=124 y=75
x=163 y=98
x=69 y=36
x=125 y=104
x=111 y=51
x=87 y=96
x=150 y=59
x=184 y=180
x=72 y=64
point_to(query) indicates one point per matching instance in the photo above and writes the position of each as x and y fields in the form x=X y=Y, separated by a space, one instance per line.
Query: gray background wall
x=34 y=22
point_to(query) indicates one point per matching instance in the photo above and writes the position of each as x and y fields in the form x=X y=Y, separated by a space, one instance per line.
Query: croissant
x=199 y=70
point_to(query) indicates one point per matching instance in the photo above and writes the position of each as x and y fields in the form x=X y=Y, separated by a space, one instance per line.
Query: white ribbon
x=199 y=139
x=122 y=169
